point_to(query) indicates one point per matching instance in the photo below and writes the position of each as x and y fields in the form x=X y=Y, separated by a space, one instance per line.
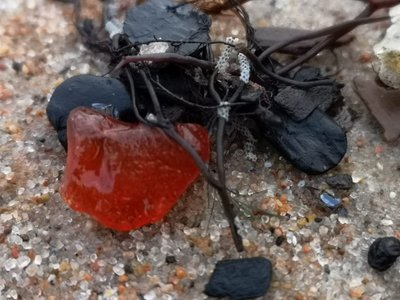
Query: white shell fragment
x=154 y=48
x=388 y=52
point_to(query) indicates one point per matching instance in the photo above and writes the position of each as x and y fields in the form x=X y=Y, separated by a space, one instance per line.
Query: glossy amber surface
x=127 y=175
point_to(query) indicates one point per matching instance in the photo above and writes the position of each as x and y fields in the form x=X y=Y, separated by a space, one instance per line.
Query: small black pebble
x=318 y=220
x=279 y=240
x=340 y=181
x=240 y=278
x=128 y=268
x=24 y=237
x=17 y=66
x=383 y=253
x=327 y=269
x=170 y=259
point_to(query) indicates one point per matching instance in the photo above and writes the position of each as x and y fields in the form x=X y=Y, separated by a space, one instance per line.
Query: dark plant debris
x=186 y=83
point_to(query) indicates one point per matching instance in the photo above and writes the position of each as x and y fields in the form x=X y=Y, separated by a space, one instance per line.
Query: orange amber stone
x=127 y=175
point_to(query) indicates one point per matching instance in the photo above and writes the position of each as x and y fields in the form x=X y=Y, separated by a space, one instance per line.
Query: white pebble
x=388 y=52
x=38 y=260
x=150 y=295
x=6 y=170
x=119 y=269
x=32 y=270
x=10 y=264
x=386 y=222
x=23 y=261
x=12 y=294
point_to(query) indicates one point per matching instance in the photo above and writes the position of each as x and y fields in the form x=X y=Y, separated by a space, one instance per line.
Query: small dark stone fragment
x=17 y=66
x=327 y=269
x=128 y=268
x=170 y=259
x=240 y=278
x=84 y=90
x=279 y=240
x=383 y=253
x=340 y=181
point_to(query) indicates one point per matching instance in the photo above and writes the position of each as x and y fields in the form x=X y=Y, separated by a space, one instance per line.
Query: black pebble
x=383 y=253
x=340 y=181
x=279 y=240
x=240 y=278
x=84 y=90
x=17 y=66
x=170 y=259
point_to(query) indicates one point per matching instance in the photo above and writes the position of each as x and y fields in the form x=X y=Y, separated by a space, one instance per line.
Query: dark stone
x=164 y=20
x=170 y=259
x=128 y=268
x=279 y=240
x=383 y=103
x=383 y=253
x=17 y=66
x=340 y=181
x=313 y=145
x=240 y=278
x=85 y=90
x=327 y=269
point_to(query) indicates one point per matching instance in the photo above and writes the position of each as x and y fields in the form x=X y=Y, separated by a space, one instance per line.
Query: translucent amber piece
x=127 y=175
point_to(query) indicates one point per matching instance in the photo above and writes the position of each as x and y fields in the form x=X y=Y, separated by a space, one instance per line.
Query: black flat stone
x=240 y=278
x=165 y=20
x=84 y=90
x=314 y=145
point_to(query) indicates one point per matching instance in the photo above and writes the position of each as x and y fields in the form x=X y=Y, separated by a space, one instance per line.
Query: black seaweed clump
x=288 y=106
